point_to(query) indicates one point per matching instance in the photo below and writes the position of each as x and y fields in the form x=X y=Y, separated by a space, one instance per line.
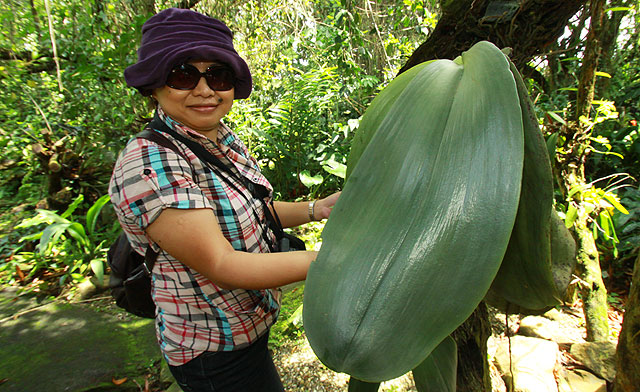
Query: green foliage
x=599 y=206
x=83 y=117
x=289 y=325
x=315 y=66
x=295 y=138
x=453 y=136
x=627 y=229
x=611 y=143
x=66 y=242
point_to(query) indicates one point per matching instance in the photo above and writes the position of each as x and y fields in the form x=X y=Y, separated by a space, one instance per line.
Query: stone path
x=71 y=347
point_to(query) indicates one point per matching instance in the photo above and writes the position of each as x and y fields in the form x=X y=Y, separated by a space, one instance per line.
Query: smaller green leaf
x=34 y=221
x=437 y=373
x=97 y=266
x=336 y=168
x=50 y=235
x=604 y=74
x=52 y=216
x=356 y=385
x=556 y=117
x=614 y=202
x=605 y=224
x=296 y=318
x=77 y=232
x=568 y=89
x=72 y=207
x=94 y=212
x=308 y=180
x=552 y=142
x=31 y=237
x=617 y=9
x=571 y=216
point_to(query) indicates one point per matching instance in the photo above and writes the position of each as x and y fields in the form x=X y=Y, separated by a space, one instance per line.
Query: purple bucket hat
x=174 y=36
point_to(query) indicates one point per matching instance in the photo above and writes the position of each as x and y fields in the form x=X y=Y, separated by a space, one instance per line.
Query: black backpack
x=130 y=279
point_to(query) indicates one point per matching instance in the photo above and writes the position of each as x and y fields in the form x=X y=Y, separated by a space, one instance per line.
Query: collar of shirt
x=227 y=146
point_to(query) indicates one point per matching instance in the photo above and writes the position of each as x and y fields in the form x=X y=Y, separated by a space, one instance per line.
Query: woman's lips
x=204 y=108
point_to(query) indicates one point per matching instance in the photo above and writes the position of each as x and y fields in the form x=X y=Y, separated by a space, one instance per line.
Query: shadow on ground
x=72 y=347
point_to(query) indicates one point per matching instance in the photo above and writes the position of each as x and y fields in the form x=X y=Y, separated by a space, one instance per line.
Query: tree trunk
x=527 y=26
x=628 y=354
x=592 y=289
x=471 y=338
x=594 y=293
x=36 y=20
x=610 y=30
x=592 y=51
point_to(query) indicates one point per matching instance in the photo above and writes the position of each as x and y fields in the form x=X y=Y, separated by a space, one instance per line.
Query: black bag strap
x=257 y=191
x=150 y=255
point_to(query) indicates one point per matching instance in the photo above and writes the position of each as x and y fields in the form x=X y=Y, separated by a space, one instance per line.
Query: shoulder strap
x=195 y=147
x=150 y=255
x=258 y=192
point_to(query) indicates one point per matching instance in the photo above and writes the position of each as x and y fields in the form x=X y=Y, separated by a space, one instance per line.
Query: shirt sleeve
x=148 y=178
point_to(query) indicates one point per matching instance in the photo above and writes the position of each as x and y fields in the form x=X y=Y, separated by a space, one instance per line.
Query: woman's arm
x=193 y=236
x=298 y=213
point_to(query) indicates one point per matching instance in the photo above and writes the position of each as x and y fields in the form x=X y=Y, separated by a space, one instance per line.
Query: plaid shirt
x=193 y=315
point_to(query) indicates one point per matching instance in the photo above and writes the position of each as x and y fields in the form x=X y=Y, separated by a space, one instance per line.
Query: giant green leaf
x=525 y=277
x=376 y=113
x=423 y=221
x=438 y=372
x=356 y=385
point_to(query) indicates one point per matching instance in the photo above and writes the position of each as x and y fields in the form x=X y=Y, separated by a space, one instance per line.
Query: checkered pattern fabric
x=194 y=315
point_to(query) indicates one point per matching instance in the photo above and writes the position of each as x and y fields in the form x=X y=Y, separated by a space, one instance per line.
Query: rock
x=545 y=328
x=87 y=289
x=71 y=346
x=580 y=380
x=531 y=366
x=599 y=357
x=91 y=287
x=553 y=314
x=539 y=327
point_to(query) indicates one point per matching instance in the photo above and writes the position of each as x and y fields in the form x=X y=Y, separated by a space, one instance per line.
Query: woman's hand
x=322 y=208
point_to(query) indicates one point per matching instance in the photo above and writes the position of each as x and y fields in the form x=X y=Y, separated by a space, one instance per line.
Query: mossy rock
x=72 y=347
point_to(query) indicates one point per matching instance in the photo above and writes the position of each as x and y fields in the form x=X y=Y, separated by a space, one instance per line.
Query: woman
x=215 y=281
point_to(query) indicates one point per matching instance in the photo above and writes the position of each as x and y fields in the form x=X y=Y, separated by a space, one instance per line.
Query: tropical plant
x=450 y=135
x=598 y=206
x=78 y=246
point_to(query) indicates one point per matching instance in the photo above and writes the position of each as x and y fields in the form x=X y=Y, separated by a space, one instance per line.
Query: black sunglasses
x=187 y=77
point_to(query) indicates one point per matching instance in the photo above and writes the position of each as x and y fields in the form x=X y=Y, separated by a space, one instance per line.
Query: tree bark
x=593 y=290
x=610 y=30
x=592 y=51
x=527 y=26
x=36 y=20
x=628 y=353
x=471 y=338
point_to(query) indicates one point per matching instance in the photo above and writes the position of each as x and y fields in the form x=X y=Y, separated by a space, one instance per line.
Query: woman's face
x=201 y=108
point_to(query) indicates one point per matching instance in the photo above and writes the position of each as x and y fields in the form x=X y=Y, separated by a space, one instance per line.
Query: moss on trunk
x=592 y=289
x=628 y=354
